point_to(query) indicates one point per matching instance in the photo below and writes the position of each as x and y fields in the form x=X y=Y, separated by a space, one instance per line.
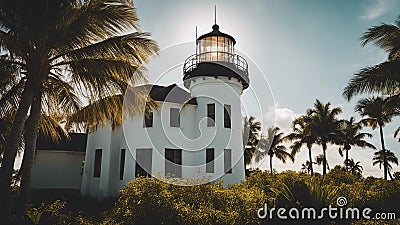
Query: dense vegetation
x=153 y=201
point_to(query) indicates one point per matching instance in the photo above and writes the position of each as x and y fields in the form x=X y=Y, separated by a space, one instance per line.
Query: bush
x=153 y=201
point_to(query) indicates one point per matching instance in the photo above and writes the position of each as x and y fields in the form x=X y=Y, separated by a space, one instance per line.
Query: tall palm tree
x=251 y=137
x=94 y=44
x=385 y=158
x=354 y=168
x=324 y=125
x=349 y=135
x=382 y=78
x=302 y=136
x=271 y=145
x=377 y=113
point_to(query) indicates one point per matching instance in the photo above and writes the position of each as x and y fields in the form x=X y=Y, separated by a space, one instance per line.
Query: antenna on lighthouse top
x=215 y=14
x=197 y=42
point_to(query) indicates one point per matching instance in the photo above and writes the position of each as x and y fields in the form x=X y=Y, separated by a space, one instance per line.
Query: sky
x=300 y=51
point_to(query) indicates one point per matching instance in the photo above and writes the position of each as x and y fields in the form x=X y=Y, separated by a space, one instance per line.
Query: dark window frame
x=227 y=116
x=174 y=122
x=98 y=157
x=210 y=156
x=173 y=162
x=122 y=164
x=211 y=115
x=139 y=170
x=228 y=161
x=148 y=118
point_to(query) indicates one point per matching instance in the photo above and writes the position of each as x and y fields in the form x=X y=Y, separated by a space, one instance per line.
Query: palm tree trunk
x=311 y=162
x=10 y=150
x=31 y=133
x=270 y=163
x=385 y=169
x=347 y=159
x=324 y=163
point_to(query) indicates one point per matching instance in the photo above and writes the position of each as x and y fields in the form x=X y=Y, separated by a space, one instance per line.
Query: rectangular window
x=209 y=160
x=122 y=164
x=228 y=160
x=174 y=117
x=143 y=162
x=97 y=163
x=210 y=115
x=148 y=118
x=227 y=116
x=173 y=162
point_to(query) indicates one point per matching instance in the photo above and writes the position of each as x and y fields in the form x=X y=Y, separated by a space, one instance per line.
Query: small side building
x=58 y=165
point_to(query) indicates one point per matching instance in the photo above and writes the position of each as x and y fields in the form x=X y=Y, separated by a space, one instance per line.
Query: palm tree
x=382 y=78
x=350 y=135
x=354 y=167
x=251 y=137
x=396 y=132
x=324 y=125
x=377 y=113
x=271 y=145
x=88 y=43
x=307 y=167
x=385 y=158
x=301 y=136
x=320 y=159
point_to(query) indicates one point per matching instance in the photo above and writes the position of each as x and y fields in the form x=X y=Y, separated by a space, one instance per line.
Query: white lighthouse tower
x=216 y=77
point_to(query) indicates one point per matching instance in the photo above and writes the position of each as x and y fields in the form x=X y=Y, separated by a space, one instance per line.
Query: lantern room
x=215 y=56
x=216 y=46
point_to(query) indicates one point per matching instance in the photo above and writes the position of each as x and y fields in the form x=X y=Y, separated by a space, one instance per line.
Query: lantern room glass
x=215 y=48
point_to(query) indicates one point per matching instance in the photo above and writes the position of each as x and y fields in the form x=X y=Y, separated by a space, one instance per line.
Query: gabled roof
x=172 y=93
x=76 y=143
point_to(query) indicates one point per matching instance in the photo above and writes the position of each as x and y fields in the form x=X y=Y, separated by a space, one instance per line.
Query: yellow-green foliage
x=153 y=201
x=158 y=201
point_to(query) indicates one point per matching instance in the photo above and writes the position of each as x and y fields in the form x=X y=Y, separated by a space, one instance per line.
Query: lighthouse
x=216 y=76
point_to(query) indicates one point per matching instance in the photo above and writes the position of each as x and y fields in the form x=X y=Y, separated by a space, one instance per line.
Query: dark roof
x=75 y=143
x=172 y=93
x=216 y=32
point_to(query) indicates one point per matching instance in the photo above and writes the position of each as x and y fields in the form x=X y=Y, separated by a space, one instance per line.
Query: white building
x=191 y=134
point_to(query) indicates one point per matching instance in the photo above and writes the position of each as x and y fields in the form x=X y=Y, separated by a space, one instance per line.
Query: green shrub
x=153 y=201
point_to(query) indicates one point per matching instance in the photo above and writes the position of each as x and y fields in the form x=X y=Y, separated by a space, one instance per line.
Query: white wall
x=193 y=137
x=57 y=169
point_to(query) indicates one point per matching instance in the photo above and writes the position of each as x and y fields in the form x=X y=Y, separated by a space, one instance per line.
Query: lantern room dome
x=215 y=32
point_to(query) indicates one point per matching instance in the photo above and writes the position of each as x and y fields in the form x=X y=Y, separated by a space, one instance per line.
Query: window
x=209 y=160
x=148 y=118
x=211 y=115
x=174 y=117
x=97 y=163
x=122 y=164
x=143 y=162
x=227 y=116
x=173 y=162
x=228 y=160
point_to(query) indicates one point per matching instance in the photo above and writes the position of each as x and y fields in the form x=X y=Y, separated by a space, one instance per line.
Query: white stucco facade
x=192 y=137
x=195 y=132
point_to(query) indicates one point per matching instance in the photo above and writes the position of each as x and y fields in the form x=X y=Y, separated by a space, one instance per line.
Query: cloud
x=376 y=10
x=280 y=117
